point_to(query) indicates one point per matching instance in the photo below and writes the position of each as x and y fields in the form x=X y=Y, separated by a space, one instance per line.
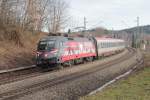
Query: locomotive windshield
x=46 y=45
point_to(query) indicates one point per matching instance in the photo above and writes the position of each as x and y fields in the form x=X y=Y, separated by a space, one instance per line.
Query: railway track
x=10 y=95
x=11 y=76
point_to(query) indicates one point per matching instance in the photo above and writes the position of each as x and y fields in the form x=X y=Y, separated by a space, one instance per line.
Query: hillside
x=142 y=29
x=12 y=55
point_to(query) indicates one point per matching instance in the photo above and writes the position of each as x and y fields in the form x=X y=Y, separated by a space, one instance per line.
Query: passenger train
x=66 y=51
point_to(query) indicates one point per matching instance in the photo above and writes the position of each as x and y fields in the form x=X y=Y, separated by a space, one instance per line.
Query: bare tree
x=57 y=15
x=17 y=16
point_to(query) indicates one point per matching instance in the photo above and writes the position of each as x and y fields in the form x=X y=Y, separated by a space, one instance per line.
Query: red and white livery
x=54 y=50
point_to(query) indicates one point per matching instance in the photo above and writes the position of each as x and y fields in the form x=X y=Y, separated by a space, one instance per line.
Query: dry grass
x=12 y=56
x=136 y=87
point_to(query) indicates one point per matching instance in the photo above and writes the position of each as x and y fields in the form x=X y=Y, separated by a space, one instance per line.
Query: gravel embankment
x=72 y=90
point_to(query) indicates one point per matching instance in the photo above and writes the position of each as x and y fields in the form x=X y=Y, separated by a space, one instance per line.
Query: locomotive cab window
x=46 y=45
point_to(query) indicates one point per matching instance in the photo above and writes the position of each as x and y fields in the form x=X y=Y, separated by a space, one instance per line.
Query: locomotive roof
x=109 y=39
x=64 y=38
x=53 y=38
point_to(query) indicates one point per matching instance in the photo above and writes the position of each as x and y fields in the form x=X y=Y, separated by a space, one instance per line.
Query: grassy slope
x=136 y=87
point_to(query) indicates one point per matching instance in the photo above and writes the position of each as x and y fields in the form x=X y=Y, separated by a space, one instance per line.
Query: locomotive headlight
x=45 y=55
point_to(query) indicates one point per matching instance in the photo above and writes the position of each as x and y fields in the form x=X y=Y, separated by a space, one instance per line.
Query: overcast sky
x=116 y=14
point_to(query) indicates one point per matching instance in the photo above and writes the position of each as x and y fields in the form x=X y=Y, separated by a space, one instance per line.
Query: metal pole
x=138 y=33
x=85 y=23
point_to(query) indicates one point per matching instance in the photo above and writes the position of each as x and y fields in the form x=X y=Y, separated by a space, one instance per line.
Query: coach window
x=99 y=45
x=112 y=44
x=120 y=44
x=105 y=44
x=102 y=45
